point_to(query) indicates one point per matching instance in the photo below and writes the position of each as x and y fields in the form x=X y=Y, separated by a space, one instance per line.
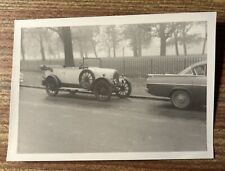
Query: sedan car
x=183 y=89
x=103 y=82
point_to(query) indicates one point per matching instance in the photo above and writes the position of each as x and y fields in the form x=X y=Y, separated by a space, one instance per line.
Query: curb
x=131 y=96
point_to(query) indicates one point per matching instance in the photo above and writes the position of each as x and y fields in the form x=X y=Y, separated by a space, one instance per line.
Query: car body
x=101 y=81
x=183 y=89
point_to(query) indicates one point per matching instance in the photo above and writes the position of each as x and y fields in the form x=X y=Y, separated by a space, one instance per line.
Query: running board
x=74 y=90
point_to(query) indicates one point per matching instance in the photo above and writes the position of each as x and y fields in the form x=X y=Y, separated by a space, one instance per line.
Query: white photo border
x=210 y=17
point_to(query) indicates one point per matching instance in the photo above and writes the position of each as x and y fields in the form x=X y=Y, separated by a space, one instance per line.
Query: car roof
x=193 y=65
x=198 y=63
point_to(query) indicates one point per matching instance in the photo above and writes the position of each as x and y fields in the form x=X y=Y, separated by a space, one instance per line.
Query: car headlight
x=116 y=77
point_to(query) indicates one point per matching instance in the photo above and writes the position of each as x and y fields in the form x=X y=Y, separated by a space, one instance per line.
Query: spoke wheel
x=103 y=91
x=52 y=88
x=181 y=99
x=123 y=89
x=86 y=79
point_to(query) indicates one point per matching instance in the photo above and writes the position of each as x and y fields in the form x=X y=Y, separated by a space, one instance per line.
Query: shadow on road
x=163 y=108
x=85 y=99
x=168 y=110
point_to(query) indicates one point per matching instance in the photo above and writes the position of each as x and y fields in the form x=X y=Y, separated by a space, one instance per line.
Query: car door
x=71 y=75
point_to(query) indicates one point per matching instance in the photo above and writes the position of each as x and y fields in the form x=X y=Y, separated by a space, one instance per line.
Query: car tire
x=181 y=99
x=123 y=90
x=102 y=90
x=52 y=86
x=86 y=79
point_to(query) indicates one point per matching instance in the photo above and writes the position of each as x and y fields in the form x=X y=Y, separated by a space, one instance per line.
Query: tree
x=176 y=42
x=22 y=44
x=108 y=38
x=84 y=40
x=31 y=37
x=42 y=46
x=184 y=27
x=205 y=38
x=68 y=48
x=114 y=38
x=182 y=36
x=164 y=31
x=65 y=35
x=139 y=36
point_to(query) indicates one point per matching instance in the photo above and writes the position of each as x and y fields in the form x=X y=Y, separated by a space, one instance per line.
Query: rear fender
x=54 y=77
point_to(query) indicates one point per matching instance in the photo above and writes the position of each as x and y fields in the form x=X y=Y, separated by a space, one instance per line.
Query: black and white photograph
x=113 y=88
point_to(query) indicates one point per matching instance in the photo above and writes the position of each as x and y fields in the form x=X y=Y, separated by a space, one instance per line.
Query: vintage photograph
x=113 y=88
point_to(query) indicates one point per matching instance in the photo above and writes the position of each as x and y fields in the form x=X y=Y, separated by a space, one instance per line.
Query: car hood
x=102 y=70
x=105 y=72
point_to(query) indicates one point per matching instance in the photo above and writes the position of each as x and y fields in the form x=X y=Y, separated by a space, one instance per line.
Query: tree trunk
x=135 y=52
x=114 y=44
x=204 y=45
x=139 y=51
x=162 y=46
x=22 y=46
x=94 y=48
x=114 y=51
x=58 y=51
x=134 y=46
x=85 y=53
x=162 y=39
x=81 y=49
x=42 y=50
x=176 y=44
x=123 y=51
x=68 y=48
x=205 y=40
x=109 y=51
x=139 y=42
x=184 y=43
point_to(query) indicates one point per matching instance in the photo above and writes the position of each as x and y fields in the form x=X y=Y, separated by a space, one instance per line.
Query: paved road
x=79 y=123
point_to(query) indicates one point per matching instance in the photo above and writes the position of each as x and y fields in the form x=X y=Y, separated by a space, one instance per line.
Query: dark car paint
x=165 y=85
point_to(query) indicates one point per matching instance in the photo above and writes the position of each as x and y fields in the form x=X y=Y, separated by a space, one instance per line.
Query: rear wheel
x=52 y=87
x=181 y=99
x=102 y=90
x=86 y=79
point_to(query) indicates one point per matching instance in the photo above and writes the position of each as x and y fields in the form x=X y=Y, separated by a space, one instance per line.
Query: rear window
x=200 y=70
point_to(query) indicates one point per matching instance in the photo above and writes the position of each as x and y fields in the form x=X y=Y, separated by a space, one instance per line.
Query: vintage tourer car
x=183 y=89
x=103 y=82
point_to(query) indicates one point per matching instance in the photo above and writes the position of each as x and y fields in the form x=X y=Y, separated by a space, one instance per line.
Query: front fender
x=99 y=79
x=125 y=78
